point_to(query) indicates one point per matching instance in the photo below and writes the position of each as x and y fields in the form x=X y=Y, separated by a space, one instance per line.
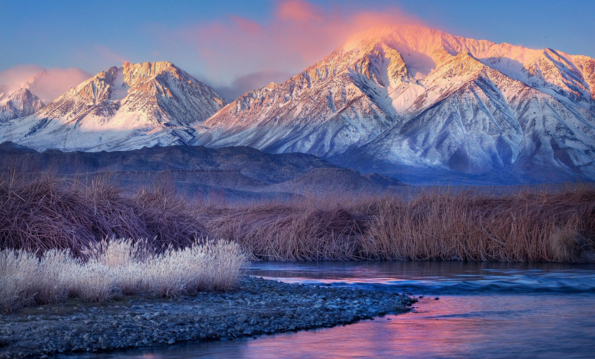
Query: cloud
x=96 y=58
x=47 y=84
x=17 y=76
x=243 y=84
x=297 y=10
x=108 y=54
x=297 y=35
x=233 y=53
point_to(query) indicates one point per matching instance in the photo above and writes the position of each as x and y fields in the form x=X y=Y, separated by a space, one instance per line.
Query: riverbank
x=256 y=307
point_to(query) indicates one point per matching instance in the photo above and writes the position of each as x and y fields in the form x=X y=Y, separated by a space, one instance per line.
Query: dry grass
x=528 y=226
x=119 y=266
x=532 y=225
x=291 y=232
x=49 y=213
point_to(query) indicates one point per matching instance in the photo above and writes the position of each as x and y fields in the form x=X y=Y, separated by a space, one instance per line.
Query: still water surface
x=484 y=310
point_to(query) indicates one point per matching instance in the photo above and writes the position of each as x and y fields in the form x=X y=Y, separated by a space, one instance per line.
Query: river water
x=487 y=310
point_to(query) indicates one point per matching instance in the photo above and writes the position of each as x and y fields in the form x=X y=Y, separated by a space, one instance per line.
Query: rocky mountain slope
x=19 y=103
x=408 y=98
x=129 y=107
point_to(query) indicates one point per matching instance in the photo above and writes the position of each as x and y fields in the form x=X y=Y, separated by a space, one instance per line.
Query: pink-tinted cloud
x=298 y=35
x=298 y=10
x=17 y=76
x=47 y=84
x=110 y=55
x=243 y=84
x=247 y=26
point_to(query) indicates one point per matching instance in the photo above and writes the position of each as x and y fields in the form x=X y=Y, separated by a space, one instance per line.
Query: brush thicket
x=531 y=225
x=528 y=226
x=52 y=213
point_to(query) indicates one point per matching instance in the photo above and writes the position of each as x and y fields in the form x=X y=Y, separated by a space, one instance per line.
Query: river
x=488 y=310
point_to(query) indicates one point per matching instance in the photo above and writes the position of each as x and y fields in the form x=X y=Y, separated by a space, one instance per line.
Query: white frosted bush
x=116 y=266
x=52 y=282
x=91 y=281
x=18 y=276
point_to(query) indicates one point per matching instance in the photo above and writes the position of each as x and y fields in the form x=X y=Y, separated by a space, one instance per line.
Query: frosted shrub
x=18 y=275
x=223 y=262
x=52 y=282
x=132 y=279
x=91 y=281
x=116 y=266
x=118 y=253
x=171 y=273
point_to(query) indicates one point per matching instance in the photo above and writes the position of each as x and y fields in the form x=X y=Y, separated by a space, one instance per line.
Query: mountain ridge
x=432 y=100
x=239 y=173
x=391 y=98
x=132 y=106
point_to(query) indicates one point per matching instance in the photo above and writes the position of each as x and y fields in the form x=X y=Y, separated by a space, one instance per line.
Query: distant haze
x=243 y=84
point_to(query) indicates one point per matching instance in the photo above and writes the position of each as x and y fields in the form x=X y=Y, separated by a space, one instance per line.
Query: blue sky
x=94 y=35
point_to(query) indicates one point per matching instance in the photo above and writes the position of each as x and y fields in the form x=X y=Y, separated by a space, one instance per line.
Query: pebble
x=255 y=307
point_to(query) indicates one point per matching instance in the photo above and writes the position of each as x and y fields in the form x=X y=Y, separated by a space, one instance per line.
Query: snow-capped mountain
x=416 y=97
x=18 y=103
x=395 y=100
x=123 y=108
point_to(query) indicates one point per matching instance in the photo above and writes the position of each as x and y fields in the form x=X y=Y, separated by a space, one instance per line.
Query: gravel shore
x=256 y=307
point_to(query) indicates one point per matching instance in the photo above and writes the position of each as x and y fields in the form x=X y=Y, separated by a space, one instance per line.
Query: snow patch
x=119 y=88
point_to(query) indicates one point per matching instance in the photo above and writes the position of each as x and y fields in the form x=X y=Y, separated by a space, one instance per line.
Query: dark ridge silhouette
x=236 y=173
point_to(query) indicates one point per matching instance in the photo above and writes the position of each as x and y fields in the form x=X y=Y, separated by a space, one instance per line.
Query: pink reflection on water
x=392 y=336
x=449 y=327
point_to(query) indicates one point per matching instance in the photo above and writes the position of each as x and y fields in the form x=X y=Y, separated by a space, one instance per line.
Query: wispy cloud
x=108 y=54
x=233 y=53
x=245 y=83
x=297 y=35
x=47 y=84
x=98 y=57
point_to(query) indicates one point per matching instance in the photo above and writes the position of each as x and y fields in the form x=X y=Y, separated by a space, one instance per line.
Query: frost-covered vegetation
x=118 y=267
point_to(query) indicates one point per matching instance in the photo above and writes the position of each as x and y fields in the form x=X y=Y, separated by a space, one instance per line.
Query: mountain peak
x=148 y=102
x=408 y=95
x=145 y=70
x=374 y=34
x=19 y=103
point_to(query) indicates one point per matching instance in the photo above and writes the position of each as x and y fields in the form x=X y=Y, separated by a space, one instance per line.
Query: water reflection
x=471 y=321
